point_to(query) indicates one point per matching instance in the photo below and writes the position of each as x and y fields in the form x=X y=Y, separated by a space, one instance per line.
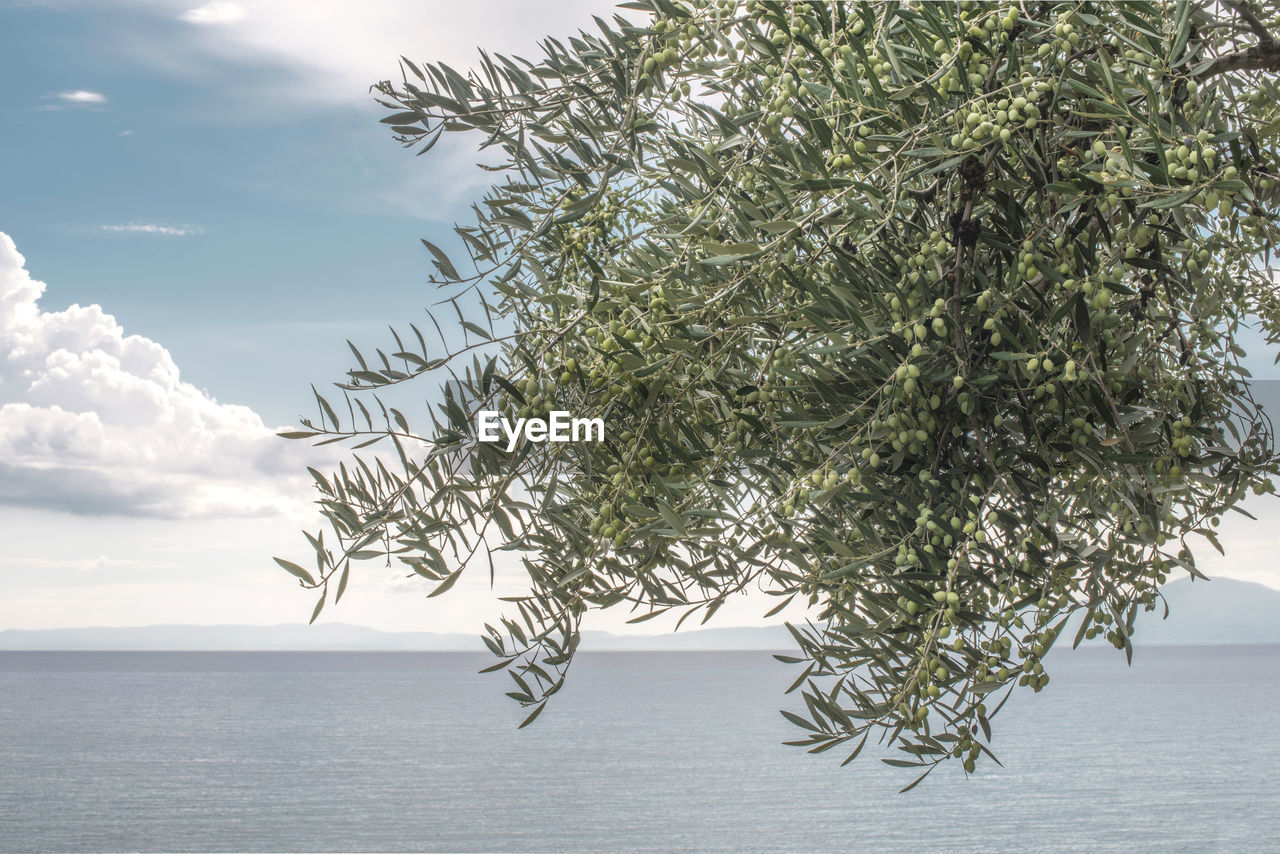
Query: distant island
x=1223 y=611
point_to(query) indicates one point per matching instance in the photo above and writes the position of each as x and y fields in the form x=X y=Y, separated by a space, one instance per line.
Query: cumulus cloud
x=214 y=13
x=83 y=96
x=95 y=421
x=151 y=228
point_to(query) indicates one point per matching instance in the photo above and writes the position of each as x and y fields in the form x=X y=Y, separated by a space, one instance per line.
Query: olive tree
x=923 y=316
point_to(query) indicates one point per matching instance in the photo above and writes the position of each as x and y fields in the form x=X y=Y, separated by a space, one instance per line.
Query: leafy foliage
x=924 y=314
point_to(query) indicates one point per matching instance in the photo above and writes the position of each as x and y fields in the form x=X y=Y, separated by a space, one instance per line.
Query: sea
x=670 y=751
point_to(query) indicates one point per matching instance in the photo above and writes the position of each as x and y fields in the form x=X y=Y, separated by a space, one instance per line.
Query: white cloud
x=150 y=228
x=333 y=50
x=214 y=13
x=83 y=96
x=289 y=57
x=98 y=422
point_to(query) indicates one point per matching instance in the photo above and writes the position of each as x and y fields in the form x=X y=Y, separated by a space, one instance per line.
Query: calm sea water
x=643 y=751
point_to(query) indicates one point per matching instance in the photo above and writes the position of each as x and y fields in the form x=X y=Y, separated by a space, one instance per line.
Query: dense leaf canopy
x=923 y=314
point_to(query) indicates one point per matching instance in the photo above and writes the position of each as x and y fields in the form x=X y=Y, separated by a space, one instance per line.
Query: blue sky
x=299 y=206
x=209 y=183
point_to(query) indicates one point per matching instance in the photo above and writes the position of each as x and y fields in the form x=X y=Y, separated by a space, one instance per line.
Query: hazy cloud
x=332 y=50
x=83 y=96
x=97 y=422
x=85 y=564
x=151 y=228
x=214 y=13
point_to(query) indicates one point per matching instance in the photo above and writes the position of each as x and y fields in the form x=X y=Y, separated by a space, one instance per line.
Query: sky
x=198 y=208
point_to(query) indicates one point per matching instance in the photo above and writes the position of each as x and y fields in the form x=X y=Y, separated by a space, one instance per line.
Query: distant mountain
x=323 y=636
x=1213 y=612
x=341 y=636
x=1222 y=611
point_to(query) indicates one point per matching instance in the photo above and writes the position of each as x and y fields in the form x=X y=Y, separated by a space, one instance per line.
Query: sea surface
x=298 y=751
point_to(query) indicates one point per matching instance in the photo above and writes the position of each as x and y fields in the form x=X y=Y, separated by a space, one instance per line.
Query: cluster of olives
x=1017 y=374
x=591 y=234
x=990 y=119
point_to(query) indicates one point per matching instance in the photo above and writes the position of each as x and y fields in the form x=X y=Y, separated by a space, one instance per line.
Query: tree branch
x=1241 y=8
x=1264 y=56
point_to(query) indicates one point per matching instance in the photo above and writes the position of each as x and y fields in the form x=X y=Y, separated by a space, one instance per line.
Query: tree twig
x=1242 y=8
